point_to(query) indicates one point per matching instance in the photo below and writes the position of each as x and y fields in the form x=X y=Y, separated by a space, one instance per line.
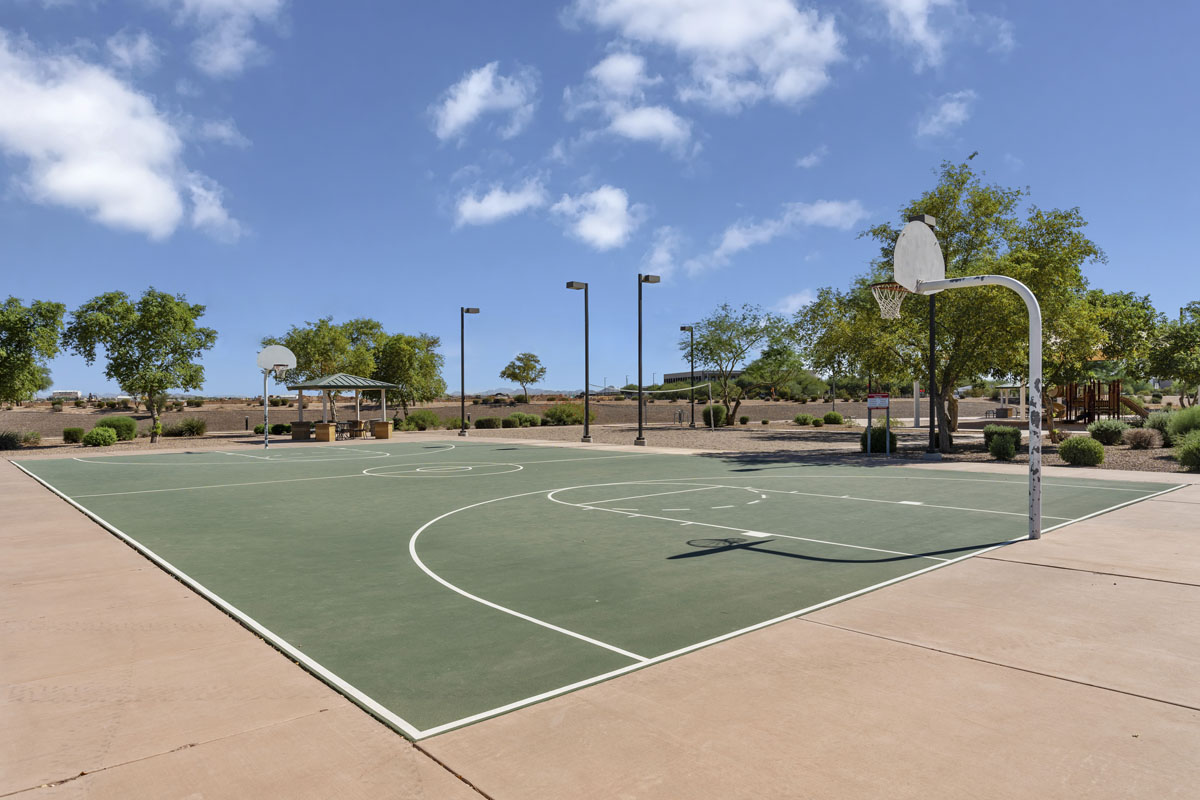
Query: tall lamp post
x=587 y=386
x=692 y=357
x=462 y=366
x=641 y=439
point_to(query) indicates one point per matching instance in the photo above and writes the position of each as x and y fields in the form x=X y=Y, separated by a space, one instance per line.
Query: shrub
x=766 y=422
x=475 y=401
x=879 y=439
x=194 y=426
x=1003 y=448
x=833 y=418
x=424 y=419
x=991 y=432
x=194 y=402
x=171 y=430
x=1187 y=452
x=565 y=414
x=1158 y=421
x=1081 y=451
x=453 y=424
x=817 y=422
x=124 y=427
x=110 y=403
x=803 y=419
x=1183 y=422
x=100 y=436
x=72 y=435
x=714 y=416
x=33 y=439
x=509 y=422
x=521 y=398
x=1156 y=397
x=278 y=429
x=80 y=404
x=1142 y=438
x=743 y=420
x=57 y=405
x=487 y=422
x=259 y=428
x=523 y=420
x=1107 y=431
x=9 y=440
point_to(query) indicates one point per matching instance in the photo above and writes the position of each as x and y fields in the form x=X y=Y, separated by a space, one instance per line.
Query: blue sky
x=279 y=162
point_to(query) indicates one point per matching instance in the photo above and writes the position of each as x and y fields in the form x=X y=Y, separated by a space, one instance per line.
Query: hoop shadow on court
x=717 y=546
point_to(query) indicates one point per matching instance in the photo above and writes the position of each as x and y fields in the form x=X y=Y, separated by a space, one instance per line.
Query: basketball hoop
x=890 y=296
x=280 y=371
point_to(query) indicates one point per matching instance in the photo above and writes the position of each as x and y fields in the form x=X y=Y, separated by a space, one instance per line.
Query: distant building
x=66 y=394
x=702 y=376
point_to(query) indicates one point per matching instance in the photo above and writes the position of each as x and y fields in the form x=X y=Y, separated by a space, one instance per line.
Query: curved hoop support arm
x=1035 y=378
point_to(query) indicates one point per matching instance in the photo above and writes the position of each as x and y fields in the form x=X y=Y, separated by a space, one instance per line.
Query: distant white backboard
x=917 y=257
x=275 y=356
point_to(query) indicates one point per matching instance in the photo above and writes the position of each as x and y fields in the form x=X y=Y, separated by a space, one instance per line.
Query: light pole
x=587 y=386
x=641 y=440
x=692 y=357
x=462 y=366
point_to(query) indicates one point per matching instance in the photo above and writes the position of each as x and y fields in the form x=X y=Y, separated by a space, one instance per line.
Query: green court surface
x=439 y=583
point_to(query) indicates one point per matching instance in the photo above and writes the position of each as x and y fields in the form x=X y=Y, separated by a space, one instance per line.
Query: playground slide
x=1058 y=408
x=1134 y=407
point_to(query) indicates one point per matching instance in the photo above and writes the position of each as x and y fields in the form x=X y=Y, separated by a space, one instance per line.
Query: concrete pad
x=114 y=589
x=1127 y=634
x=340 y=753
x=1153 y=516
x=1169 y=555
x=805 y=711
x=37 y=560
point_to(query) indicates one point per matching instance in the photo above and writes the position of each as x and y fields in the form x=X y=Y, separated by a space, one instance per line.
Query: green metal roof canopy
x=342 y=381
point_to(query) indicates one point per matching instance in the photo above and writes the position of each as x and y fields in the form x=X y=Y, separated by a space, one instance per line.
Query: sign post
x=874 y=401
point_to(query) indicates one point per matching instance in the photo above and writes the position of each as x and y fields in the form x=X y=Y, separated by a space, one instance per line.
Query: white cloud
x=661 y=258
x=486 y=91
x=224 y=131
x=947 y=113
x=602 y=218
x=226 y=44
x=616 y=89
x=814 y=158
x=742 y=235
x=737 y=51
x=652 y=123
x=133 y=51
x=498 y=204
x=622 y=75
x=90 y=142
x=927 y=27
x=208 y=210
x=794 y=302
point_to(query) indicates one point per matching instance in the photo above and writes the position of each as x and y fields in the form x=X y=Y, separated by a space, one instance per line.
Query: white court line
x=640 y=496
x=906 y=503
x=1024 y=481
x=363 y=700
x=243 y=455
x=550 y=496
x=220 y=485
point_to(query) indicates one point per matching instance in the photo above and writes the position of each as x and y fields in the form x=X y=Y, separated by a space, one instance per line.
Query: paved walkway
x=1063 y=668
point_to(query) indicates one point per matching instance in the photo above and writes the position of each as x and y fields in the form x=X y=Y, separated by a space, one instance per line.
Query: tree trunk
x=153 y=406
x=943 y=421
x=729 y=418
x=332 y=398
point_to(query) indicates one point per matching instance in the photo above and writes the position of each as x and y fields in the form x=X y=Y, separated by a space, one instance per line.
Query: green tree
x=1129 y=323
x=526 y=369
x=323 y=348
x=982 y=330
x=28 y=338
x=151 y=345
x=413 y=363
x=1175 y=353
x=724 y=340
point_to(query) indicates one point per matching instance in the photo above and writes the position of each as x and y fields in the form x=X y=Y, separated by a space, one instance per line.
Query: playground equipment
x=1089 y=401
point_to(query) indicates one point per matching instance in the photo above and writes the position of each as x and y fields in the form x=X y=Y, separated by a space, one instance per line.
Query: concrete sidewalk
x=1062 y=668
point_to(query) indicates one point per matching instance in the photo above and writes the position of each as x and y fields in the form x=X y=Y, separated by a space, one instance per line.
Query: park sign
x=878 y=400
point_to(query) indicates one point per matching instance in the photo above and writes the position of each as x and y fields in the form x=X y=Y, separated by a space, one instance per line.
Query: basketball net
x=280 y=371
x=890 y=296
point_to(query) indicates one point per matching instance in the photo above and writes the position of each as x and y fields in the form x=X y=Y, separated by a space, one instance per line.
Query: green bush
x=565 y=414
x=509 y=422
x=991 y=432
x=803 y=419
x=100 y=436
x=171 y=430
x=194 y=426
x=817 y=422
x=1003 y=448
x=57 y=405
x=521 y=398
x=1156 y=397
x=1142 y=438
x=879 y=439
x=487 y=422
x=714 y=416
x=124 y=427
x=72 y=435
x=1187 y=452
x=523 y=420
x=1107 y=431
x=453 y=424
x=9 y=440
x=277 y=429
x=743 y=420
x=424 y=419
x=833 y=418
x=259 y=428
x=194 y=402
x=32 y=439
x=80 y=404
x=1158 y=421
x=1081 y=451
x=1183 y=422
x=766 y=422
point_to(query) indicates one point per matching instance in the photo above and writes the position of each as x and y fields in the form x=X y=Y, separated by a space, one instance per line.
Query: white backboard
x=917 y=257
x=276 y=355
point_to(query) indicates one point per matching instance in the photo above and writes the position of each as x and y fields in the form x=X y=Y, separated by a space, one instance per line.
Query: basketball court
x=438 y=583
